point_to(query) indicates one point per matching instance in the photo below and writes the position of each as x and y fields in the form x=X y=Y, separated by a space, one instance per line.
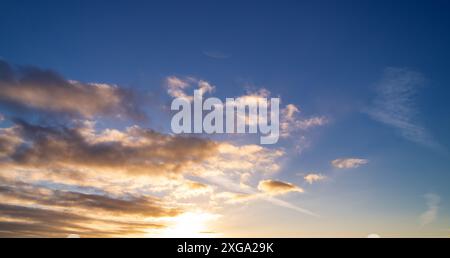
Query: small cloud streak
x=349 y=163
x=273 y=187
x=216 y=54
x=311 y=178
x=429 y=216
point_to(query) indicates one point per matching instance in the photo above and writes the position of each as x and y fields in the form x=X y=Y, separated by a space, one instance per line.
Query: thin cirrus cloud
x=45 y=90
x=396 y=105
x=432 y=202
x=216 y=54
x=349 y=163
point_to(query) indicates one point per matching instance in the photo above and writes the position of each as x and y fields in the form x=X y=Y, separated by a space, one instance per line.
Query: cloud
x=205 y=87
x=9 y=142
x=290 y=110
x=311 y=178
x=134 y=151
x=96 y=203
x=237 y=198
x=47 y=91
x=273 y=187
x=85 y=178
x=30 y=210
x=348 y=163
x=291 y=123
x=176 y=86
x=28 y=221
x=113 y=174
x=396 y=105
x=81 y=174
x=76 y=152
x=191 y=189
x=430 y=215
x=216 y=54
x=36 y=211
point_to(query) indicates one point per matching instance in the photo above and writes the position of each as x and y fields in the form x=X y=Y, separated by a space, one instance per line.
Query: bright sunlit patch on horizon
x=189 y=225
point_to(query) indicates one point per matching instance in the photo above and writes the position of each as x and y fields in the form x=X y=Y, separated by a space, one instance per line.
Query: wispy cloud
x=432 y=202
x=396 y=105
x=348 y=163
x=216 y=54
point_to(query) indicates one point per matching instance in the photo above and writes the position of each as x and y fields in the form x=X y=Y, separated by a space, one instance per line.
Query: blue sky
x=329 y=58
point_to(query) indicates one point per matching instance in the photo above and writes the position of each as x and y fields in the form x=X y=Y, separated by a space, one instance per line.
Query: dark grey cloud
x=39 y=222
x=127 y=205
x=149 y=152
x=32 y=88
x=34 y=211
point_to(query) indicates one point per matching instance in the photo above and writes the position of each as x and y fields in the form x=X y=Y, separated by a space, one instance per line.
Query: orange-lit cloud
x=70 y=176
x=274 y=187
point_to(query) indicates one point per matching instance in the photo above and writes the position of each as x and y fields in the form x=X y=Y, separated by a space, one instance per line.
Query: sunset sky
x=86 y=147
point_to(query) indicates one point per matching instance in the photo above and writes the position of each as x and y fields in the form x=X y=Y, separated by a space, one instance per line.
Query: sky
x=86 y=147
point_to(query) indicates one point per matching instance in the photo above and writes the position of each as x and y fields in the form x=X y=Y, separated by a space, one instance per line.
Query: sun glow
x=190 y=225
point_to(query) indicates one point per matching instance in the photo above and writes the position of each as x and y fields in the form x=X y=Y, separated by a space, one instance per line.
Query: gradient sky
x=369 y=79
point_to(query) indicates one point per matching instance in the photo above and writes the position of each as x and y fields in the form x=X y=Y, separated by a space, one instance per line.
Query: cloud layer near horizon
x=112 y=173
